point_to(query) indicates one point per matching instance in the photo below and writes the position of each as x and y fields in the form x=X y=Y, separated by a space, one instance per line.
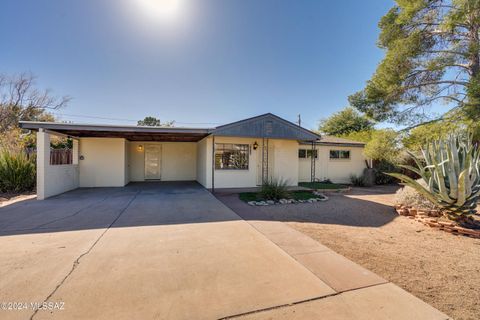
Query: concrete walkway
x=173 y=251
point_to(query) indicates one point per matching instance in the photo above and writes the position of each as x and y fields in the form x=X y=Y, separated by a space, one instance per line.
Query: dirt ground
x=8 y=198
x=438 y=267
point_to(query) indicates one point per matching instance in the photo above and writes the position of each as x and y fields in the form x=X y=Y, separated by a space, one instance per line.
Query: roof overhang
x=132 y=133
x=267 y=126
x=338 y=144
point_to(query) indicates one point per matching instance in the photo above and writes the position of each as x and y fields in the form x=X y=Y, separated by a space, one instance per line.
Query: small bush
x=380 y=176
x=358 y=181
x=17 y=172
x=274 y=190
x=408 y=196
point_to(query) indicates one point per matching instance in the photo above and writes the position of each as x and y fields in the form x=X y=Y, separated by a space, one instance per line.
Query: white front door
x=153 y=155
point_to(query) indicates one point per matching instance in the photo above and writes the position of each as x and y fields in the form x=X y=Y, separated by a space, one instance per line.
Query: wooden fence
x=61 y=156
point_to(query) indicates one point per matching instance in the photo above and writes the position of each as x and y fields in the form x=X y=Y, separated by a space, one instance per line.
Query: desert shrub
x=408 y=196
x=380 y=168
x=358 y=181
x=274 y=189
x=17 y=172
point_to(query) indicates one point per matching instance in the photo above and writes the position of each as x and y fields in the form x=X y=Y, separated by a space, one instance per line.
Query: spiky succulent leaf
x=451 y=171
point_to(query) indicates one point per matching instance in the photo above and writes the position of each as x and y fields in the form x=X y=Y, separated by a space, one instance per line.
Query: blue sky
x=215 y=61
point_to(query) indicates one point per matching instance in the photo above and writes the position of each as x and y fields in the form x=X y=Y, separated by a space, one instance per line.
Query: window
x=231 y=156
x=339 y=154
x=307 y=153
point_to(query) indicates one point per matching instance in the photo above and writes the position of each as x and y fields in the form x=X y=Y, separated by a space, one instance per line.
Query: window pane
x=302 y=153
x=231 y=156
x=309 y=153
x=339 y=154
x=345 y=154
x=334 y=154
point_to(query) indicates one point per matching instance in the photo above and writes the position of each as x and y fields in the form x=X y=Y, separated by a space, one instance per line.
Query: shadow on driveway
x=168 y=203
x=137 y=204
x=361 y=207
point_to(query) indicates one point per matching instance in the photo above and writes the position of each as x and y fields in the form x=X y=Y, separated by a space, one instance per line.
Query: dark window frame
x=232 y=156
x=339 y=154
x=307 y=153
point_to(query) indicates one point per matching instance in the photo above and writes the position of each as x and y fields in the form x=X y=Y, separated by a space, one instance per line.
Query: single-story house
x=236 y=155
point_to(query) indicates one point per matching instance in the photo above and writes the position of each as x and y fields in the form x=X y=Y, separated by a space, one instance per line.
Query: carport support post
x=312 y=163
x=213 y=163
x=43 y=160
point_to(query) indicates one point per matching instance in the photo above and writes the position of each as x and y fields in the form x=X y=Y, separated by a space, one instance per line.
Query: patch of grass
x=320 y=185
x=296 y=195
x=302 y=195
x=249 y=196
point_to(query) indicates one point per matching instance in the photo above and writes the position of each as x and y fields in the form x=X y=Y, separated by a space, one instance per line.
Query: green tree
x=421 y=135
x=154 y=122
x=384 y=146
x=361 y=136
x=344 y=122
x=432 y=55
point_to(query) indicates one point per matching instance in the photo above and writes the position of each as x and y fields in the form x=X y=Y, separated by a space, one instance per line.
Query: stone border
x=334 y=190
x=320 y=198
x=430 y=218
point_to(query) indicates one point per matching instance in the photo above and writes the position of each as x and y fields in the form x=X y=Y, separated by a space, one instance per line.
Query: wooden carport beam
x=55 y=133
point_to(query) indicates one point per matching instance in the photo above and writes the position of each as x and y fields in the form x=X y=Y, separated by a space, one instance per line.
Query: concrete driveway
x=169 y=251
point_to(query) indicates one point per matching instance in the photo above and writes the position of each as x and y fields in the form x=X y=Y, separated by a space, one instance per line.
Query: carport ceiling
x=132 y=133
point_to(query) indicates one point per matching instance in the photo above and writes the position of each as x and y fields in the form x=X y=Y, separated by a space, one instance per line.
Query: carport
x=113 y=156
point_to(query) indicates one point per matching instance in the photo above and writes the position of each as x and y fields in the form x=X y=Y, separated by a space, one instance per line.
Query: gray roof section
x=335 y=141
x=266 y=126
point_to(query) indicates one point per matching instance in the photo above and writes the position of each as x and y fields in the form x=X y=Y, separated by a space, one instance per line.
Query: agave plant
x=451 y=171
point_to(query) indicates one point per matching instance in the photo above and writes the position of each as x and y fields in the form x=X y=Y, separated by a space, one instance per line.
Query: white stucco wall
x=104 y=162
x=285 y=163
x=178 y=161
x=337 y=170
x=54 y=179
x=235 y=178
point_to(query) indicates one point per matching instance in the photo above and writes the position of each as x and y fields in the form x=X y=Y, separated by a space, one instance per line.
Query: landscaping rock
x=430 y=218
x=270 y=202
x=252 y=203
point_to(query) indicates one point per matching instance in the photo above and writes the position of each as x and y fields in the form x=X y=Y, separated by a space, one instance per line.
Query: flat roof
x=132 y=133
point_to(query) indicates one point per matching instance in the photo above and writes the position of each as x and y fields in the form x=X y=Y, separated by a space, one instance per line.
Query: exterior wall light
x=140 y=148
x=255 y=145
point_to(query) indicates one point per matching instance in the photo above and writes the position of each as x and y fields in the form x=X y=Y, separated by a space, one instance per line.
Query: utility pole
x=299 y=120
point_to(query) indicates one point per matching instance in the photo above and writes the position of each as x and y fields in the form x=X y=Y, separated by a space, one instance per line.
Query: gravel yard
x=438 y=267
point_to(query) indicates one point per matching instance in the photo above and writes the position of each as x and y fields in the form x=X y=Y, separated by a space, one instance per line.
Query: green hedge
x=17 y=172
